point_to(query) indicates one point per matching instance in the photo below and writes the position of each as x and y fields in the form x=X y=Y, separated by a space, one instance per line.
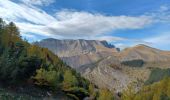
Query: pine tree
x=69 y=80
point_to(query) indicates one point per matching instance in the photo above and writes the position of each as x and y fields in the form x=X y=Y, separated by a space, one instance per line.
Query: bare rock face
x=78 y=52
x=110 y=74
x=105 y=65
x=106 y=75
x=122 y=69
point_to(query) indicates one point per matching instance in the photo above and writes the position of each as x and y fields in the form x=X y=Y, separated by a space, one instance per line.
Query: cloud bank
x=72 y=24
x=38 y=2
x=160 y=41
x=67 y=23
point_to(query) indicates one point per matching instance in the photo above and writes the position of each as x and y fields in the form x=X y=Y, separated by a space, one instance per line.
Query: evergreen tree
x=69 y=80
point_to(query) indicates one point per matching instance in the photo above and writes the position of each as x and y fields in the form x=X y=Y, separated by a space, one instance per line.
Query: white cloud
x=85 y=24
x=110 y=38
x=67 y=23
x=164 y=8
x=71 y=24
x=38 y=2
x=16 y=12
x=160 y=15
x=121 y=45
x=159 y=41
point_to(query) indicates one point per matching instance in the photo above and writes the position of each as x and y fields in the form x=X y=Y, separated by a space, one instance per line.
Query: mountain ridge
x=145 y=53
x=80 y=51
x=108 y=68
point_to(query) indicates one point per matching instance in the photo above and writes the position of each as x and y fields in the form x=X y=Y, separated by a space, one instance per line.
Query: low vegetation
x=133 y=63
x=157 y=74
x=156 y=91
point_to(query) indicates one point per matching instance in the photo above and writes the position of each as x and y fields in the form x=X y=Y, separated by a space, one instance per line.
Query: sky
x=123 y=23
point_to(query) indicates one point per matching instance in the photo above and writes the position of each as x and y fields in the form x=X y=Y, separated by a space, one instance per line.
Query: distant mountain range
x=107 y=66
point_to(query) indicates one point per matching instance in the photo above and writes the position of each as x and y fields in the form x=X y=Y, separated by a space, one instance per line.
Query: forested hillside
x=24 y=64
x=21 y=62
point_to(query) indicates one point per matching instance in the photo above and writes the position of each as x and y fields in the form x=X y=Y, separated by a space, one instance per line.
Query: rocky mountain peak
x=68 y=47
x=79 y=52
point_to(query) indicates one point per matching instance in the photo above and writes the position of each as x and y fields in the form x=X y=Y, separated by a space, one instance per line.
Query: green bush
x=157 y=74
x=133 y=63
x=78 y=92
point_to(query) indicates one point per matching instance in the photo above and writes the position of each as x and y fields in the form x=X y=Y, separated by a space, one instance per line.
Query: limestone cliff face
x=78 y=52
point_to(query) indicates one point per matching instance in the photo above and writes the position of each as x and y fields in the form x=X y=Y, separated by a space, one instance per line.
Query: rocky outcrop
x=80 y=52
x=113 y=74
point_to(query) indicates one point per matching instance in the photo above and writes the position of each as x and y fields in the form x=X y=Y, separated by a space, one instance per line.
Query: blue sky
x=121 y=22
